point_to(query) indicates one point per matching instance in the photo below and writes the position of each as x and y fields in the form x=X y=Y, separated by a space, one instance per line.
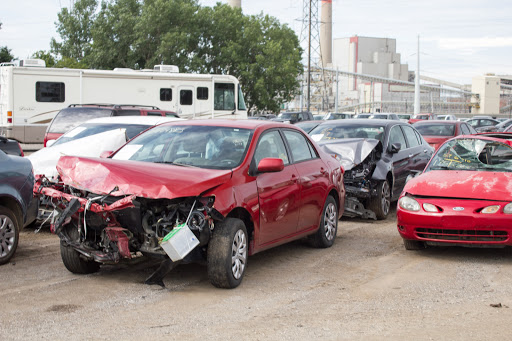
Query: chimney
x=326 y=32
x=235 y=3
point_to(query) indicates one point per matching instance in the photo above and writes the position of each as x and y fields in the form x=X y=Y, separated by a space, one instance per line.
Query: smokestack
x=235 y=3
x=326 y=32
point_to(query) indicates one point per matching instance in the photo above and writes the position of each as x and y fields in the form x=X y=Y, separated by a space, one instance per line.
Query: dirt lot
x=366 y=287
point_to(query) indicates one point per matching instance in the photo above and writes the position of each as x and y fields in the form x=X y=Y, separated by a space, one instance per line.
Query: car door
x=313 y=178
x=278 y=193
x=418 y=154
x=400 y=159
x=186 y=103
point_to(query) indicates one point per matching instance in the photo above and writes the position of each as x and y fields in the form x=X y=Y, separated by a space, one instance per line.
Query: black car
x=294 y=117
x=482 y=125
x=11 y=147
x=378 y=156
x=307 y=126
x=17 y=208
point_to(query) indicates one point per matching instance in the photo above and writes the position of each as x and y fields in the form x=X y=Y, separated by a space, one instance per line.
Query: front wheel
x=382 y=202
x=72 y=260
x=227 y=253
x=9 y=234
x=326 y=233
x=413 y=244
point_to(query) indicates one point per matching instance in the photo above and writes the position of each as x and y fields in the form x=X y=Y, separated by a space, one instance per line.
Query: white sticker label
x=127 y=152
x=317 y=137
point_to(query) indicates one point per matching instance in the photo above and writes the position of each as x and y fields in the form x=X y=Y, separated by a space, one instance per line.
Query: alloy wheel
x=330 y=221
x=7 y=235
x=238 y=254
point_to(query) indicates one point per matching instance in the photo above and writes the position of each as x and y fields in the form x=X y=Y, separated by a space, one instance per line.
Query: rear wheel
x=326 y=233
x=227 y=253
x=9 y=234
x=413 y=244
x=72 y=260
x=381 y=203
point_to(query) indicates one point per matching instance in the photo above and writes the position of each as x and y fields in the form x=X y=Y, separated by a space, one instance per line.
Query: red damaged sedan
x=463 y=198
x=207 y=191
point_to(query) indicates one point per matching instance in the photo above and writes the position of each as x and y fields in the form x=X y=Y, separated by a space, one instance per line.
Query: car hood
x=462 y=184
x=142 y=179
x=45 y=160
x=350 y=152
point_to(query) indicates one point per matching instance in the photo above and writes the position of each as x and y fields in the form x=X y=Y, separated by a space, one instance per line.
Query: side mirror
x=105 y=154
x=395 y=148
x=50 y=143
x=270 y=164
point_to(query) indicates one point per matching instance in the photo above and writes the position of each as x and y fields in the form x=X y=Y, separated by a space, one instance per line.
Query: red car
x=230 y=188
x=436 y=132
x=463 y=198
x=421 y=117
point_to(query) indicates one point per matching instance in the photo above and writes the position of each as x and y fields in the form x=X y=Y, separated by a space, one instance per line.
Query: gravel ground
x=366 y=287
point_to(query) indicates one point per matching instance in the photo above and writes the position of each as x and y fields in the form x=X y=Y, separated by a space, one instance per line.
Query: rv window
x=186 y=97
x=241 y=102
x=224 y=96
x=202 y=93
x=166 y=95
x=50 y=92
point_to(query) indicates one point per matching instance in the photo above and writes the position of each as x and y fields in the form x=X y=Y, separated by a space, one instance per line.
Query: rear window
x=89 y=129
x=68 y=118
x=436 y=129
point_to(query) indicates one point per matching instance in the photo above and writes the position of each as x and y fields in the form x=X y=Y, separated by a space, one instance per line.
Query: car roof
x=427 y=122
x=243 y=124
x=148 y=120
x=503 y=137
x=355 y=121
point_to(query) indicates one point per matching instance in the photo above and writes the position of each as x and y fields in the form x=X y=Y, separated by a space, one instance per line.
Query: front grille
x=462 y=235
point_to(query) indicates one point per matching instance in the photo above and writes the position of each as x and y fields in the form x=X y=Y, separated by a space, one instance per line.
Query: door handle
x=294 y=178
x=411 y=155
x=322 y=170
x=424 y=150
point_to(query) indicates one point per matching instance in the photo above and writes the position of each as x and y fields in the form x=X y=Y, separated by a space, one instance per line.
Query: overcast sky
x=460 y=39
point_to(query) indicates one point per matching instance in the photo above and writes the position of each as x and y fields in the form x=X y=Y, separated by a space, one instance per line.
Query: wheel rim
x=385 y=198
x=330 y=221
x=7 y=235
x=238 y=254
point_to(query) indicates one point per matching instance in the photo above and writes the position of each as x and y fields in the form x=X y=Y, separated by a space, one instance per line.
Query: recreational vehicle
x=31 y=95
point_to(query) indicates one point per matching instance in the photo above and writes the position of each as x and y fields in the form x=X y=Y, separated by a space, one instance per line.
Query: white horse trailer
x=32 y=94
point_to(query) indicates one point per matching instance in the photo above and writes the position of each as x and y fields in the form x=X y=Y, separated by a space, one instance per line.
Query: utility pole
x=336 y=103
x=417 y=97
x=309 y=60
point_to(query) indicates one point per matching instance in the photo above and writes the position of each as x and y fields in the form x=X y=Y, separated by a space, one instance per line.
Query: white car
x=92 y=138
x=447 y=117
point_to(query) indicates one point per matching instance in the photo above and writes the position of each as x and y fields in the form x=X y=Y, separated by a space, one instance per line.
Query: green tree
x=5 y=54
x=113 y=33
x=74 y=28
x=46 y=56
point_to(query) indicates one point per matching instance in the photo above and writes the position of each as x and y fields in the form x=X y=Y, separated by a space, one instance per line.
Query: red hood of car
x=143 y=179
x=462 y=184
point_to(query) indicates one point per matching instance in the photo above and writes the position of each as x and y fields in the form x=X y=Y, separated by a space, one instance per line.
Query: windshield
x=89 y=129
x=473 y=154
x=69 y=118
x=436 y=129
x=334 y=132
x=196 y=146
x=404 y=116
x=421 y=117
x=379 y=116
x=287 y=115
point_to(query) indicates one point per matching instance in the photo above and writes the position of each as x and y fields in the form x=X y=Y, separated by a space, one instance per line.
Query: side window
x=224 y=96
x=202 y=93
x=298 y=146
x=396 y=136
x=419 y=137
x=471 y=130
x=50 y=92
x=464 y=129
x=186 y=97
x=271 y=145
x=154 y=113
x=412 y=140
x=166 y=95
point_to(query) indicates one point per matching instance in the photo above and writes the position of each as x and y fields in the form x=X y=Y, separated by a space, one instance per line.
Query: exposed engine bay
x=106 y=228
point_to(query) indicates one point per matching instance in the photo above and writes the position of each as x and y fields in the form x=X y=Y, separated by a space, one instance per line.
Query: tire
x=72 y=259
x=381 y=204
x=326 y=233
x=227 y=254
x=413 y=244
x=9 y=234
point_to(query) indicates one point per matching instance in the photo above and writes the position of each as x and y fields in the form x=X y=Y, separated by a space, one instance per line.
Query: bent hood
x=462 y=184
x=45 y=160
x=142 y=179
x=350 y=152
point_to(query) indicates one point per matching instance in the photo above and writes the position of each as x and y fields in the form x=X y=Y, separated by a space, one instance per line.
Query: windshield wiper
x=176 y=164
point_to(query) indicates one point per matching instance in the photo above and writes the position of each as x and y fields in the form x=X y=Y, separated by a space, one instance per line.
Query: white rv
x=31 y=95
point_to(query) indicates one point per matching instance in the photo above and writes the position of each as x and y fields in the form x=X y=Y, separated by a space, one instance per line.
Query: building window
x=166 y=95
x=202 y=93
x=186 y=97
x=50 y=92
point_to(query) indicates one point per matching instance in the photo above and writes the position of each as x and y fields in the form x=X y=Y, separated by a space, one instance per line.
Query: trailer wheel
x=227 y=253
x=72 y=260
x=382 y=202
x=9 y=234
x=326 y=233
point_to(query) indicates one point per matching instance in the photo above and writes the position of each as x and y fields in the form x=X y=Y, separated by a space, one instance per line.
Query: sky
x=459 y=39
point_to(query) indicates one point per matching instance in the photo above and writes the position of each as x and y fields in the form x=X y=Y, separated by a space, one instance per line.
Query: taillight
x=44 y=141
x=9 y=117
x=21 y=150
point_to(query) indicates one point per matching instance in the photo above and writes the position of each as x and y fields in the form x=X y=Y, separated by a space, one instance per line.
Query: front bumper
x=467 y=227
